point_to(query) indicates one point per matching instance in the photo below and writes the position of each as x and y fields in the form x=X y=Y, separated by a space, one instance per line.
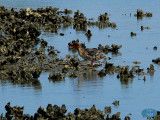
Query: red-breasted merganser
x=92 y=54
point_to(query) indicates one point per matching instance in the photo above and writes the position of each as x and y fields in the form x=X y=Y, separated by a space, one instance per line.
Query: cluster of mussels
x=103 y=21
x=20 y=61
x=124 y=73
x=56 y=113
x=140 y=14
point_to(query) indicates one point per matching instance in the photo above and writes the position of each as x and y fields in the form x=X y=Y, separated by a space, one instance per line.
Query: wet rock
x=113 y=49
x=70 y=116
x=104 y=21
x=115 y=116
x=61 y=34
x=151 y=70
x=157 y=117
x=56 y=76
x=74 y=63
x=136 y=62
x=51 y=52
x=80 y=21
x=110 y=68
x=91 y=113
x=157 y=61
x=51 y=112
x=66 y=11
x=116 y=103
x=140 y=14
x=102 y=73
x=133 y=34
x=155 y=47
x=108 y=109
x=140 y=71
x=127 y=118
x=44 y=43
x=103 y=17
x=66 y=69
x=148 y=14
x=88 y=33
x=14 y=112
x=142 y=28
x=124 y=73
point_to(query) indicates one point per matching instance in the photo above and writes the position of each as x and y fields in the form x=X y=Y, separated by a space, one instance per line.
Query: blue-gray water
x=83 y=93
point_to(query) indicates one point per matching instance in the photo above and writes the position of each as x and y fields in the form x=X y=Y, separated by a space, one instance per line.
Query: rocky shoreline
x=60 y=113
x=22 y=63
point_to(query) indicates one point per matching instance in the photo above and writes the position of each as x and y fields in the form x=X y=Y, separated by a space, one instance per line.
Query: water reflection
x=126 y=81
x=35 y=84
x=87 y=76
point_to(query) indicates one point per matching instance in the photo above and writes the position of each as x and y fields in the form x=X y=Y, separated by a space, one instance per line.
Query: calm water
x=134 y=96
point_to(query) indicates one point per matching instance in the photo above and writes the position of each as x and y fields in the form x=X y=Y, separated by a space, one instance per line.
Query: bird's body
x=92 y=54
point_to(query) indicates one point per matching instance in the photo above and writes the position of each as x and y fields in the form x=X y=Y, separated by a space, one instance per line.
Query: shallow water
x=81 y=92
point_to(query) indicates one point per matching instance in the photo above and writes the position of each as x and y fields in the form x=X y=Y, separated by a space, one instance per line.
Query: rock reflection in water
x=125 y=82
x=35 y=84
x=88 y=75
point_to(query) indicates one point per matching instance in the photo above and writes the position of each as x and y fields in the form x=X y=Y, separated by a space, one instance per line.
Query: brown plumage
x=92 y=54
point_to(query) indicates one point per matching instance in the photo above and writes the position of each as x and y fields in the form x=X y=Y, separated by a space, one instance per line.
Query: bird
x=91 y=54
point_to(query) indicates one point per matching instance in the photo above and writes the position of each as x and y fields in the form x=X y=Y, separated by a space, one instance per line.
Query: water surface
x=134 y=96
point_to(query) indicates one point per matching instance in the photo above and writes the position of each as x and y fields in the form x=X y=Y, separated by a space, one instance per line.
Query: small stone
x=155 y=47
x=116 y=103
x=61 y=34
x=142 y=27
x=127 y=118
x=133 y=34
